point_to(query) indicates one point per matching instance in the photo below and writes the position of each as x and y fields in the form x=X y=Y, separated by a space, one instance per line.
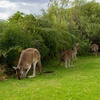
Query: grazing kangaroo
x=27 y=58
x=95 y=48
x=68 y=55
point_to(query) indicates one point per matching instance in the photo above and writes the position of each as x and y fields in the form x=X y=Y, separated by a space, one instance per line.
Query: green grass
x=81 y=82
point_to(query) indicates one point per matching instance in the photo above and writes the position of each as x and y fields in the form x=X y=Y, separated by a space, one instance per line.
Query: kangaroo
x=69 y=55
x=27 y=58
x=95 y=48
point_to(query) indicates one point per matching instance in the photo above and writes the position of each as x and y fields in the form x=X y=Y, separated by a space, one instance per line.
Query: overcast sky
x=9 y=7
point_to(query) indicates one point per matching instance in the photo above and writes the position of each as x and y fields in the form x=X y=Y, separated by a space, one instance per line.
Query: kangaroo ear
x=77 y=43
x=15 y=67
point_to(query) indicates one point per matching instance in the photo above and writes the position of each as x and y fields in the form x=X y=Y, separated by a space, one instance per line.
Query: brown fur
x=68 y=55
x=27 y=58
x=95 y=48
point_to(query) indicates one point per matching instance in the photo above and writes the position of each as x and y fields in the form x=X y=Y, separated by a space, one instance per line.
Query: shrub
x=11 y=59
x=15 y=37
x=84 y=47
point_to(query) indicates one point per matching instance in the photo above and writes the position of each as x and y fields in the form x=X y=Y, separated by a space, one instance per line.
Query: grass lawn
x=81 y=82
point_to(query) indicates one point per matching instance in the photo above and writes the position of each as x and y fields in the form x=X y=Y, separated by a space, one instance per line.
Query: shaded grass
x=77 y=83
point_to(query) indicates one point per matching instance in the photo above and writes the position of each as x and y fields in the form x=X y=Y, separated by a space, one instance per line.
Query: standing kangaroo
x=69 y=55
x=95 y=48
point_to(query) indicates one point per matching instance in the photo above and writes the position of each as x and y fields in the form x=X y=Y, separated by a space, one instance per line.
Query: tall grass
x=81 y=82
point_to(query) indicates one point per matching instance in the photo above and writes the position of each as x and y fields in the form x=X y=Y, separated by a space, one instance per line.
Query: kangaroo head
x=76 y=46
x=19 y=72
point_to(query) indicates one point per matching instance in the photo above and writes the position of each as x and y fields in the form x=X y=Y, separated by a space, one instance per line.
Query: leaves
x=61 y=25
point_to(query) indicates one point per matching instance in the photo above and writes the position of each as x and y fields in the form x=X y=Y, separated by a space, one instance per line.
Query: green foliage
x=8 y=38
x=12 y=55
x=90 y=12
x=84 y=47
x=51 y=39
x=17 y=18
x=3 y=26
x=2 y=57
x=16 y=37
x=11 y=58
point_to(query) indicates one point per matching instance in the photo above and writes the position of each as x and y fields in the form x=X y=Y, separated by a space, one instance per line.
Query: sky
x=9 y=7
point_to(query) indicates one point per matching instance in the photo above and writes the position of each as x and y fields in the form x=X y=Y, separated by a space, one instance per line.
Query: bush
x=11 y=59
x=53 y=40
x=2 y=72
x=15 y=37
x=84 y=48
x=2 y=57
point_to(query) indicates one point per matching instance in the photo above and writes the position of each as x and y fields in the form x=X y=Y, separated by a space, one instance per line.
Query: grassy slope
x=81 y=82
